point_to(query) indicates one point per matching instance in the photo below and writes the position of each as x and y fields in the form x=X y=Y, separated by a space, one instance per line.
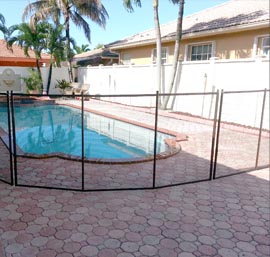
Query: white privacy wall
x=242 y=74
x=58 y=73
x=206 y=76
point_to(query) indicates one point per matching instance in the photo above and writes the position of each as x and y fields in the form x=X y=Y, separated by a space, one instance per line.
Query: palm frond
x=128 y=4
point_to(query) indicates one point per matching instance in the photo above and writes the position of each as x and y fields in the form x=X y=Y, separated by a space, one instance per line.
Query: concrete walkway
x=228 y=217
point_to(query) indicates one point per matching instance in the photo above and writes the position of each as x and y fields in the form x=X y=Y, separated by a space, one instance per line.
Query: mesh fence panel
x=5 y=166
x=115 y=147
x=118 y=143
x=239 y=131
x=264 y=154
x=48 y=132
x=192 y=125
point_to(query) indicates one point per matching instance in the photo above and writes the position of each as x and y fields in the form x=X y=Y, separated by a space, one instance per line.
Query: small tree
x=30 y=38
x=81 y=49
x=33 y=82
x=99 y=45
x=55 y=47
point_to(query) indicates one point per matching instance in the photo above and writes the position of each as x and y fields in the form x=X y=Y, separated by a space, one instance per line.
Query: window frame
x=267 y=46
x=126 y=61
x=164 y=60
x=189 y=47
x=258 y=46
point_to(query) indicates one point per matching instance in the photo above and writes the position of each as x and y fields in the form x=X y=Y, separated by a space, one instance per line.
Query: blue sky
x=120 y=23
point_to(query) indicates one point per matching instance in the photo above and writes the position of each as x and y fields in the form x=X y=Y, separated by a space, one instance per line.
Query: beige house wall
x=227 y=46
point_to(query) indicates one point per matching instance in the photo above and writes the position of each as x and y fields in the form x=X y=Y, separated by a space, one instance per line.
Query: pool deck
x=228 y=217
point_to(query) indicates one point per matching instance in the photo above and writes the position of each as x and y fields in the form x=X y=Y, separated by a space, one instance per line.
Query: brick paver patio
x=228 y=217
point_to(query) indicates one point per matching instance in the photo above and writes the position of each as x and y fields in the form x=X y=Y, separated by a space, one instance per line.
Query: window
x=126 y=59
x=164 y=55
x=200 y=52
x=261 y=45
x=265 y=45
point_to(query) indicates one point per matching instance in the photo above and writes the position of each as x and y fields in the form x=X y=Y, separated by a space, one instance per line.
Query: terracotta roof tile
x=16 y=52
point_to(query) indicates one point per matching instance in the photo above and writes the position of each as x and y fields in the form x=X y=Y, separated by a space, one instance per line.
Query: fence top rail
x=246 y=91
x=4 y=94
x=115 y=95
x=197 y=93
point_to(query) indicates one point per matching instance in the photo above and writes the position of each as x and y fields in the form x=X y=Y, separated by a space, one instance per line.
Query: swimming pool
x=56 y=130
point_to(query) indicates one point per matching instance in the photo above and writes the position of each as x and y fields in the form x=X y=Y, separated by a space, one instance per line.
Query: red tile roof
x=16 y=52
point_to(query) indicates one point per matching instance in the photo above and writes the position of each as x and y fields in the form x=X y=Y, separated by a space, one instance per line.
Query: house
x=100 y=56
x=225 y=47
x=233 y=30
x=16 y=56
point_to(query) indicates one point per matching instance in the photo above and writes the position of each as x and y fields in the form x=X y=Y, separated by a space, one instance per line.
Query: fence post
x=13 y=147
x=218 y=132
x=260 y=131
x=155 y=140
x=10 y=141
x=214 y=136
x=82 y=121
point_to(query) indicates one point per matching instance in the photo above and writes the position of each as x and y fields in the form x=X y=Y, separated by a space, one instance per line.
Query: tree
x=81 y=49
x=30 y=38
x=3 y=27
x=128 y=4
x=158 y=44
x=129 y=7
x=69 y=10
x=55 y=47
x=178 y=38
x=99 y=45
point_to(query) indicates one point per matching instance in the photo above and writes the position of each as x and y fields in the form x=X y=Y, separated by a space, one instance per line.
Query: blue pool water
x=51 y=129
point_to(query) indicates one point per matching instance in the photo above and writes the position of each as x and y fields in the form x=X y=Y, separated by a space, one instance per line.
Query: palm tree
x=129 y=7
x=99 y=46
x=70 y=10
x=178 y=38
x=128 y=4
x=81 y=49
x=29 y=37
x=3 y=27
x=55 y=47
x=158 y=44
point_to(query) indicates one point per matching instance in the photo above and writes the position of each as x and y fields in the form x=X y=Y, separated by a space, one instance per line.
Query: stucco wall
x=227 y=46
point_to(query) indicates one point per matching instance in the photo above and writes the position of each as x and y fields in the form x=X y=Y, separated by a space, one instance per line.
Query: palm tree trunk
x=176 y=52
x=49 y=79
x=70 y=74
x=39 y=72
x=158 y=45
